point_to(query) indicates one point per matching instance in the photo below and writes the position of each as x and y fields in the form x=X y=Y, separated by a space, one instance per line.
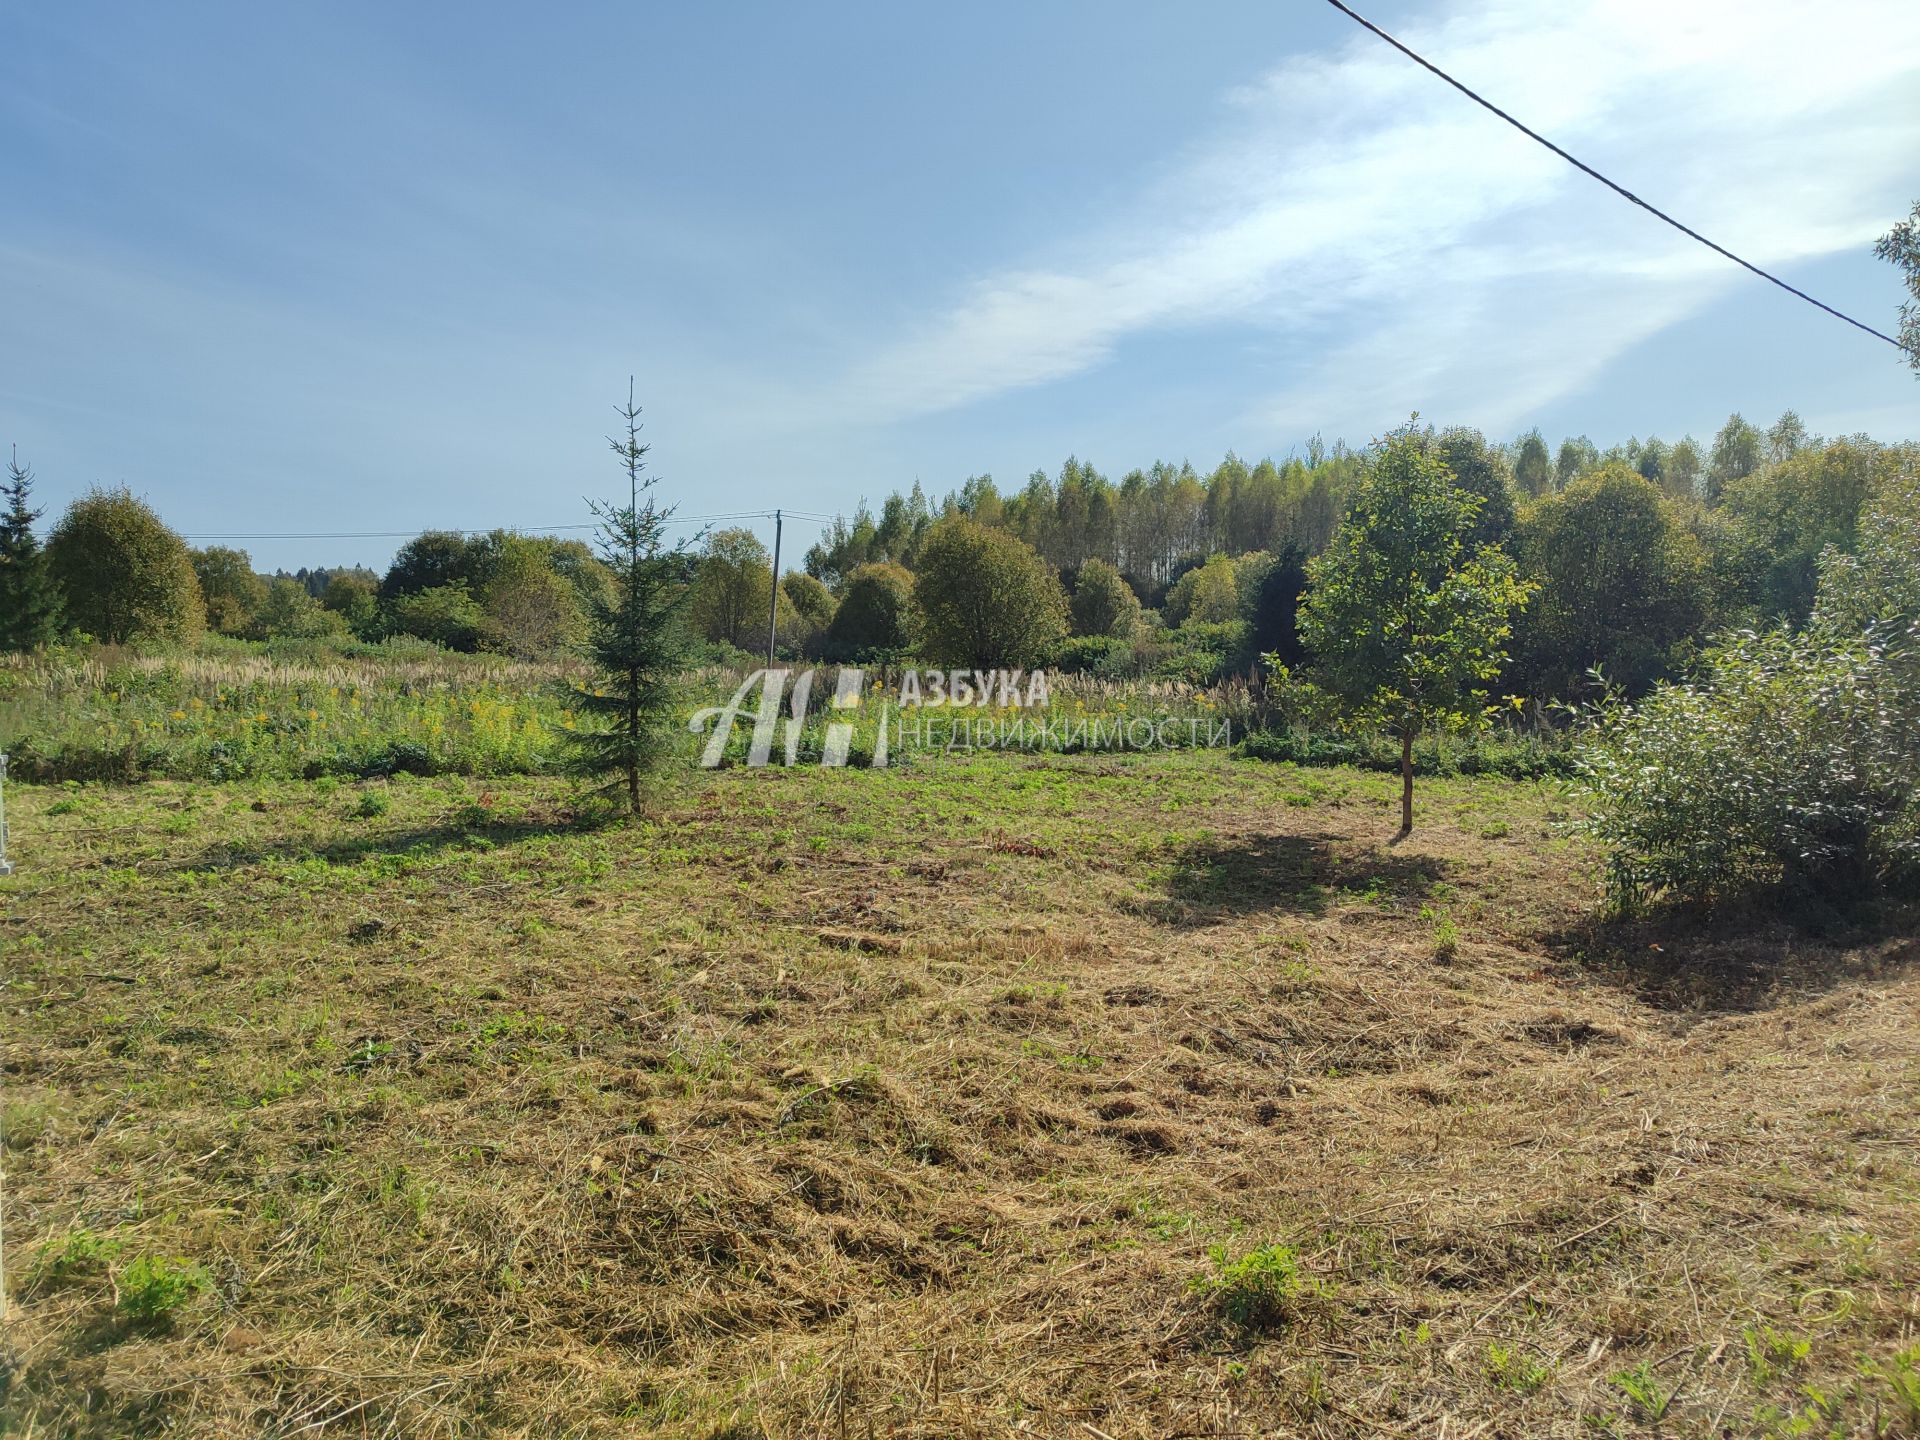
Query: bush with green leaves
x=80 y=1255
x=445 y=614
x=732 y=594
x=153 y=1289
x=1789 y=763
x=1208 y=594
x=288 y=612
x=1793 y=761
x=1623 y=584
x=1106 y=656
x=1103 y=603
x=1258 y=1291
x=1198 y=652
x=875 y=617
x=123 y=574
x=356 y=600
x=805 y=611
x=229 y=586
x=986 y=599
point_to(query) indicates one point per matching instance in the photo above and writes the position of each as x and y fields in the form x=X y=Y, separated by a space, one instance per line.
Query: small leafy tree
x=1406 y=623
x=445 y=614
x=1209 y=594
x=1577 y=453
x=1876 y=589
x=1784 y=515
x=123 y=574
x=812 y=600
x=1103 y=603
x=874 y=620
x=985 y=598
x=289 y=613
x=1737 y=451
x=532 y=611
x=229 y=587
x=1623 y=583
x=732 y=590
x=1532 y=465
x=806 y=610
x=1682 y=477
x=29 y=600
x=355 y=599
x=1482 y=471
x=638 y=640
x=432 y=559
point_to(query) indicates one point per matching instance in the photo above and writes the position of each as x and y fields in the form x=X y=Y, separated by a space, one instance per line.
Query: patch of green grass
x=79 y=1255
x=1258 y=1291
x=1161 y=1223
x=1643 y=1388
x=1509 y=1370
x=1900 y=1373
x=23 y=1123
x=154 y=1289
x=1771 y=1354
x=1446 y=934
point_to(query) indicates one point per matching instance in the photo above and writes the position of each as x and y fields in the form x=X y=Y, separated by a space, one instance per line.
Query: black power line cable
x=512 y=529
x=1621 y=190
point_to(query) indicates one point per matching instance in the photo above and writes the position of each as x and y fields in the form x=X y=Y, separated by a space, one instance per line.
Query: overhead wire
x=1612 y=185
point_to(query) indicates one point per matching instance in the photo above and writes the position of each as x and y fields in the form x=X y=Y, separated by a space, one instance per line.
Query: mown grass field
x=1063 y=1096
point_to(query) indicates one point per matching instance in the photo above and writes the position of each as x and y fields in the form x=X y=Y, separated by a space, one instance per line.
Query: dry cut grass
x=1065 y=1097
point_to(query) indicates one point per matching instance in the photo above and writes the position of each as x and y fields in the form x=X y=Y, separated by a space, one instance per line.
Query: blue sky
x=371 y=267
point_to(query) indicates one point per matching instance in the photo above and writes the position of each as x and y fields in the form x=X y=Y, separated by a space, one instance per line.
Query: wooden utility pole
x=773 y=605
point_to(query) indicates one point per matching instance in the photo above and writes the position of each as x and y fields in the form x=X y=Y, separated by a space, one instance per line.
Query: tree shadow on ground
x=1741 y=959
x=454 y=833
x=1224 y=878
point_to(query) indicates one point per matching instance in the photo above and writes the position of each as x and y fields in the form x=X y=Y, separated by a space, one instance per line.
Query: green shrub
x=1901 y=1372
x=1259 y=1291
x=1108 y=656
x=1793 y=762
x=1103 y=603
x=445 y=614
x=1200 y=652
x=875 y=617
x=154 y=1289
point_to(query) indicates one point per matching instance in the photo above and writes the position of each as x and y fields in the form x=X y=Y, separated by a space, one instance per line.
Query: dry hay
x=931 y=1136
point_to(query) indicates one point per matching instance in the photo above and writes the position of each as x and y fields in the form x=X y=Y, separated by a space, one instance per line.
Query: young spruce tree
x=29 y=599
x=638 y=642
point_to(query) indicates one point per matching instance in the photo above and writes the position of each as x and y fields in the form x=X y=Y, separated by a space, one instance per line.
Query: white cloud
x=1453 y=261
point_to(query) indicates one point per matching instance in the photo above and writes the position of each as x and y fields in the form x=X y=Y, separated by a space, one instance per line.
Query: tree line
x=111 y=570
x=1636 y=555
